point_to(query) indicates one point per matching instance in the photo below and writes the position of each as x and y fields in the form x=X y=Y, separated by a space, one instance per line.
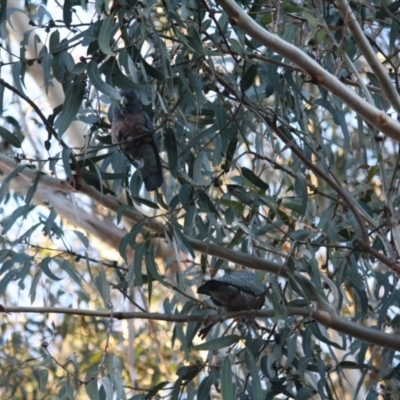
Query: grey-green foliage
x=217 y=98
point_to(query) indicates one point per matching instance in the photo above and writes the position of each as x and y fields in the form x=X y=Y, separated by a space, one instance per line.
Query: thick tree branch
x=318 y=74
x=369 y=54
x=333 y=321
x=57 y=193
x=291 y=67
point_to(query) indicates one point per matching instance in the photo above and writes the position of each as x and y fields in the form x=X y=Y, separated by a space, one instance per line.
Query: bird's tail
x=155 y=179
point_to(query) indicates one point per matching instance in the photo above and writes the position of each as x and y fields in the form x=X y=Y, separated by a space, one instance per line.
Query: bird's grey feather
x=132 y=129
x=235 y=292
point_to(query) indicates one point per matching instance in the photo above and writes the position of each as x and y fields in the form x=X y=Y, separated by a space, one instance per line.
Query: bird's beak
x=124 y=101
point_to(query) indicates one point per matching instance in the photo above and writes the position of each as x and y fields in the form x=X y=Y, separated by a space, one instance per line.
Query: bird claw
x=208 y=324
x=203 y=332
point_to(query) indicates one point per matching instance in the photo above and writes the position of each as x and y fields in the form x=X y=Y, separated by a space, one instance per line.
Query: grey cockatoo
x=236 y=291
x=133 y=131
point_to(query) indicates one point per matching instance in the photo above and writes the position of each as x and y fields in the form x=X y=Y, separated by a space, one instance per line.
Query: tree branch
x=318 y=74
x=369 y=54
x=333 y=321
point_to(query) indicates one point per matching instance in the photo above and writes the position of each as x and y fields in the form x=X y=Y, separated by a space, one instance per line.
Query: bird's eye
x=124 y=101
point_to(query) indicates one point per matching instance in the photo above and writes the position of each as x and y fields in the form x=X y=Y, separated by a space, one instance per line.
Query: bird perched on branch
x=236 y=291
x=133 y=131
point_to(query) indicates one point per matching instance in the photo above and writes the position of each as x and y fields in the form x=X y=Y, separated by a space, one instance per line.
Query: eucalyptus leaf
x=216 y=344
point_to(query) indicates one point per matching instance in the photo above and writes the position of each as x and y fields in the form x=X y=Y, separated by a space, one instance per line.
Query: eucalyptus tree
x=277 y=125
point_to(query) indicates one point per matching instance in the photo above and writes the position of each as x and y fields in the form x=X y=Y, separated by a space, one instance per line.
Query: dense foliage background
x=277 y=126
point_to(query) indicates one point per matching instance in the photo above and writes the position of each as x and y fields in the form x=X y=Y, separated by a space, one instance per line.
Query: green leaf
x=24 y=271
x=116 y=78
x=304 y=394
x=230 y=152
x=3 y=17
x=5 y=280
x=236 y=46
x=394 y=33
x=99 y=84
x=43 y=378
x=316 y=330
x=227 y=387
x=372 y=171
x=105 y=35
x=146 y=202
x=312 y=21
x=17 y=213
x=35 y=281
x=151 y=264
x=42 y=13
x=205 y=387
x=198 y=170
x=205 y=203
x=50 y=226
x=249 y=77
x=221 y=116
x=130 y=238
x=181 y=239
x=300 y=188
x=155 y=389
x=19 y=76
x=198 y=139
x=67 y=12
x=6 y=181
x=91 y=387
x=392 y=7
x=44 y=266
x=153 y=72
x=10 y=11
x=300 y=234
x=47 y=63
x=352 y=365
x=2 y=88
x=70 y=270
x=136 y=271
x=254 y=373
x=9 y=137
x=217 y=344
x=72 y=103
x=340 y=118
x=172 y=151
x=291 y=8
x=120 y=213
x=83 y=238
x=185 y=194
x=101 y=283
x=58 y=67
x=191 y=43
x=26 y=235
x=66 y=154
x=254 y=179
x=175 y=391
x=32 y=189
